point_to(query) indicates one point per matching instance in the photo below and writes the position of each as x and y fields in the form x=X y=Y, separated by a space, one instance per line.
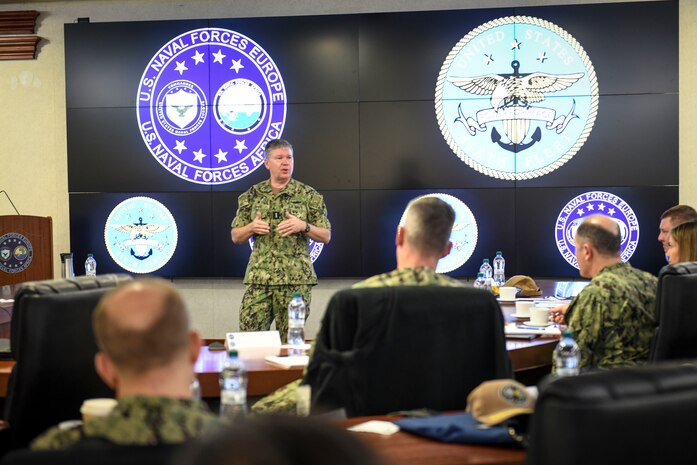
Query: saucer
x=520 y=317
x=530 y=323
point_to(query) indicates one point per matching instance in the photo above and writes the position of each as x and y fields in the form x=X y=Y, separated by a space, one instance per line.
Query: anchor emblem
x=512 y=96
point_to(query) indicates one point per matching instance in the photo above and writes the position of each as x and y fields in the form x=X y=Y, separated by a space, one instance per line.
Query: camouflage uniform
x=138 y=421
x=278 y=266
x=612 y=318
x=420 y=276
x=284 y=400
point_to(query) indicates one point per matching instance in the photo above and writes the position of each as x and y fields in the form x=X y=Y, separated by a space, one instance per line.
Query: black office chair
x=54 y=347
x=382 y=350
x=675 y=337
x=639 y=416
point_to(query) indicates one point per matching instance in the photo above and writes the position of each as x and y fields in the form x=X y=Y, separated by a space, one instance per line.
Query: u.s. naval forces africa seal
x=463 y=236
x=141 y=235
x=208 y=102
x=596 y=203
x=516 y=98
x=16 y=253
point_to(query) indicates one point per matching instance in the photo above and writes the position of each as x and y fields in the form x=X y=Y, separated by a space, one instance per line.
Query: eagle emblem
x=140 y=241
x=528 y=85
x=514 y=89
x=513 y=94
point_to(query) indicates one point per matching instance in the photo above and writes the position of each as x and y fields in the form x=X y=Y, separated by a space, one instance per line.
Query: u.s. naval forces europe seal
x=208 y=102
x=16 y=253
x=596 y=203
x=141 y=235
x=463 y=236
x=516 y=98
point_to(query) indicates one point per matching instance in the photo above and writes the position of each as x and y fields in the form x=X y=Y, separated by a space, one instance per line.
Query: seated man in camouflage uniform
x=612 y=318
x=147 y=354
x=420 y=243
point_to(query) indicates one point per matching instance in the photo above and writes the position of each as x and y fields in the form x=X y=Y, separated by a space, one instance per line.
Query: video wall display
x=517 y=115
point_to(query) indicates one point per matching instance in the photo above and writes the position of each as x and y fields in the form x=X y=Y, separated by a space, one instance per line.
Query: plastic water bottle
x=90 y=265
x=567 y=355
x=499 y=269
x=480 y=282
x=195 y=389
x=296 y=325
x=486 y=268
x=233 y=388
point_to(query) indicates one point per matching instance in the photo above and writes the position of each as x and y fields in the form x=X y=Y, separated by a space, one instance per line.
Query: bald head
x=142 y=325
x=602 y=233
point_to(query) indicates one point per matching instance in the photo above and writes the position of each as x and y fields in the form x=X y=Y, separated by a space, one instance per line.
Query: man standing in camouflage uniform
x=420 y=243
x=147 y=355
x=281 y=214
x=612 y=318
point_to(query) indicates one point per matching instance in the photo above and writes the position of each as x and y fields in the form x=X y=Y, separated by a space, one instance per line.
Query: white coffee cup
x=100 y=407
x=507 y=293
x=522 y=308
x=539 y=316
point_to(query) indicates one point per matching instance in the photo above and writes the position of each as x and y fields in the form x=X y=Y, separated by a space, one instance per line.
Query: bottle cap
x=486 y=260
x=480 y=275
x=498 y=252
x=233 y=353
x=89 y=255
x=296 y=294
x=567 y=333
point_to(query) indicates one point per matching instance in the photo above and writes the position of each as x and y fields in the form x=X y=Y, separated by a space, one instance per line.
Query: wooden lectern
x=26 y=248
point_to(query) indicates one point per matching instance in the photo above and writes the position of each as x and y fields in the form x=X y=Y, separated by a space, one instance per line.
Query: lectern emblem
x=141 y=235
x=463 y=236
x=596 y=203
x=16 y=253
x=516 y=98
x=208 y=102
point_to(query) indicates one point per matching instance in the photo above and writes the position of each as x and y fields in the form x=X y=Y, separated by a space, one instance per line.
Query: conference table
x=526 y=357
x=264 y=378
x=530 y=359
x=403 y=448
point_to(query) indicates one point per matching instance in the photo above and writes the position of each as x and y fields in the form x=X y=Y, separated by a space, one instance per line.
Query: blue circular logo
x=141 y=235
x=208 y=102
x=16 y=253
x=464 y=234
x=516 y=98
x=596 y=203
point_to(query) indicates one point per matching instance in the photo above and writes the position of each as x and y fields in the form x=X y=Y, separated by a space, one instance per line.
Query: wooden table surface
x=408 y=449
x=526 y=356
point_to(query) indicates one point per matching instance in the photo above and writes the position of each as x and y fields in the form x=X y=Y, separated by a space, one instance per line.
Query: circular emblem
x=240 y=106
x=16 y=253
x=514 y=394
x=464 y=234
x=208 y=102
x=516 y=98
x=315 y=248
x=140 y=235
x=596 y=203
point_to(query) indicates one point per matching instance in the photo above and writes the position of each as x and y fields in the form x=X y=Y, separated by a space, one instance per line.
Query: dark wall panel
x=537 y=211
x=191 y=211
x=361 y=116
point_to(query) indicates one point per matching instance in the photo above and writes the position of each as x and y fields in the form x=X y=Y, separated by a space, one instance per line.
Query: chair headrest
x=623 y=383
x=679 y=269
